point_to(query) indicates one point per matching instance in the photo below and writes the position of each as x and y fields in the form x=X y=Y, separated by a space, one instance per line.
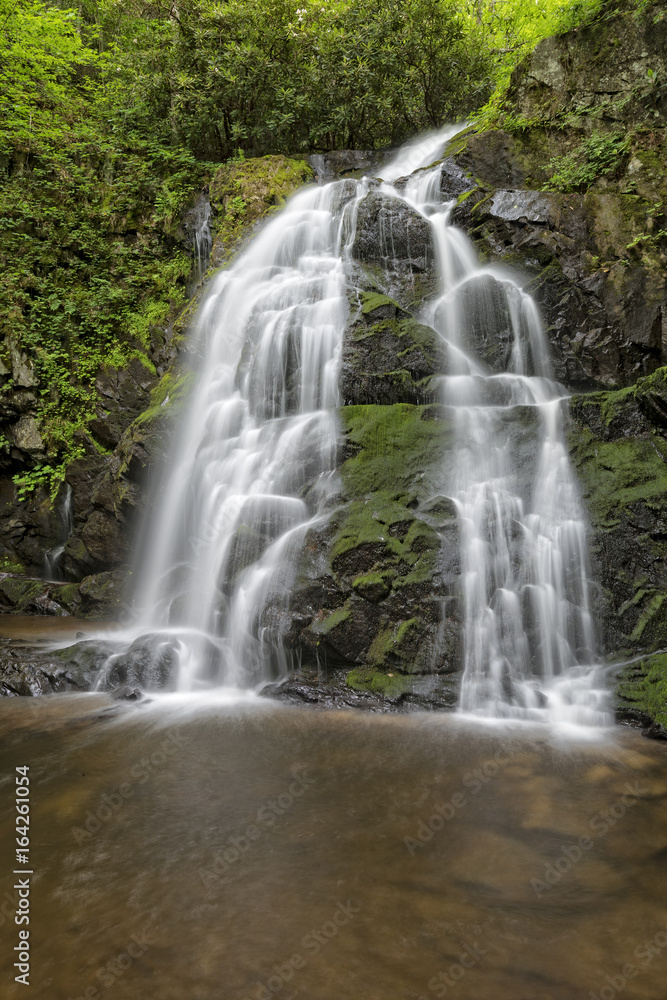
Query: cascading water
x=529 y=645
x=256 y=462
x=261 y=427
x=52 y=556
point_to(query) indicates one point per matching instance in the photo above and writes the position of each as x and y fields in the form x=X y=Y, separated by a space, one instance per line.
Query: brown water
x=323 y=889
x=44 y=628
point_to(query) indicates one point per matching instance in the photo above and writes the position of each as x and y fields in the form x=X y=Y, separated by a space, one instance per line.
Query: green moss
x=166 y=398
x=393 y=642
x=326 y=625
x=20 y=592
x=397 y=446
x=373 y=681
x=373 y=586
x=643 y=687
x=369 y=522
x=407 y=330
x=370 y=301
x=67 y=594
x=649 y=614
x=244 y=192
x=618 y=473
x=9 y=565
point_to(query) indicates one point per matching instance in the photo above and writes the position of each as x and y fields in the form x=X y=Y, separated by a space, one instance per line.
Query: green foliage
x=43 y=64
x=596 y=156
x=513 y=28
x=110 y=113
x=88 y=263
x=266 y=77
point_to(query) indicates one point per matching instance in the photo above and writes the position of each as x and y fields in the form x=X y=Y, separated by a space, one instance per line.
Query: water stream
x=529 y=643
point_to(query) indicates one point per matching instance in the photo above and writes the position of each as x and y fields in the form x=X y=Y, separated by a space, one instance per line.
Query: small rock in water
x=655 y=732
x=128 y=693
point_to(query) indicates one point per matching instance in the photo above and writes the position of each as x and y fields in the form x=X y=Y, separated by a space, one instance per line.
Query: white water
x=53 y=556
x=529 y=642
x=262 y=429
x=258 y=448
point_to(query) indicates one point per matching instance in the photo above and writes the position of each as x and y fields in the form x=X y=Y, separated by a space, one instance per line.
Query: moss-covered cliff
x=102 y=278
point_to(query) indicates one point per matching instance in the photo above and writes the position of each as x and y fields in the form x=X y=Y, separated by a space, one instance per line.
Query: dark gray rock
x=395 y=244
x=604 y=323
x=388 y=357
x=346 y=163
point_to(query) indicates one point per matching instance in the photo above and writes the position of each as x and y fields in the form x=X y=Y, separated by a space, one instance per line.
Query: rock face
x=394 y=244
x=377 y=583
x=606 y=316
x=388 y=357
x=620 y=455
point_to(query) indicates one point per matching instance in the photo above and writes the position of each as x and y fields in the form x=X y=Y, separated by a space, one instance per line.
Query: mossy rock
x=619 y=474
x=621 y=460
x=651 y=396
x=371 y=586
x=641 y=691
x=389 y=685
x=244 y=192
x=388 y=357
x=393 y=448
x=18 y=593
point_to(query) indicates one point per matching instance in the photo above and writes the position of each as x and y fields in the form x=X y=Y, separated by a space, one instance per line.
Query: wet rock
x=26 y=436
x=651 y=396
x=373 y=585
x=105 y=539
x=621 y=459
x=22 y=368
x=346 y=163
x=128 y=693
x=148 y=664
x=484 y=325
x=389 y=231
x=396 y=241
x=99 y=597
x=27 y=677
x=388 y=357
x=372 y=691
x=604 y=322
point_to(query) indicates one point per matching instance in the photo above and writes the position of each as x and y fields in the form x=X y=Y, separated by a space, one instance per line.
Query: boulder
x=395 y=242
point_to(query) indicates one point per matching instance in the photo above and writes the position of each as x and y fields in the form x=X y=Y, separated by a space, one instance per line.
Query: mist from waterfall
x=255 y=463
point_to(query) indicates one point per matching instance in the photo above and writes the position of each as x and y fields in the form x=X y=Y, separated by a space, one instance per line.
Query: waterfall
x=198 y=228
x=52 y=556
x=255 y=464
x=257 y=453
x=528 y=635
